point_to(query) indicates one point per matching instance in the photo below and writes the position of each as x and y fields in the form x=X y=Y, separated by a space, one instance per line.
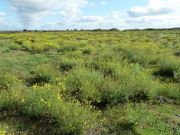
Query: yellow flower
x=23 y=100
x=49 y=104
x=42 y=100
x=2 y=132
x=59 y=97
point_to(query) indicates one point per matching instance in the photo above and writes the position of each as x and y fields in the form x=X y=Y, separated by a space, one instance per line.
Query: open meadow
x=90 y=82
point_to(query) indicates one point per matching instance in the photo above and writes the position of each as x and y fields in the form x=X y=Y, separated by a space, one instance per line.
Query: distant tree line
x=95 y=30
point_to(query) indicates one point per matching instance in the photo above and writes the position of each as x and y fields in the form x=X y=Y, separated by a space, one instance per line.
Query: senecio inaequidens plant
x=103 y=82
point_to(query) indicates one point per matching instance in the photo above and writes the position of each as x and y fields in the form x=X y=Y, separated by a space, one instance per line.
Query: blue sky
x=88 y=14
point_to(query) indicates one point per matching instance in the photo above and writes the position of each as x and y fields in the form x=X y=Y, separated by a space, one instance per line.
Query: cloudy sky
x=88 y=14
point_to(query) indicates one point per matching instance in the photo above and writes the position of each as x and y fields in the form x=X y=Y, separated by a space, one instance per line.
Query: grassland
x=90 y=83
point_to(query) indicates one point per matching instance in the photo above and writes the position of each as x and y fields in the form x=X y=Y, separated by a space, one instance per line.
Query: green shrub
x=177 y=75
x=107 y=68
x=83 y=84
x=66 y=64
x=71 y=118
x=153 y=120
x=168 y=65
x=112 y=92
x=87 y=51
x=8 y=81
x=10 y=90
x=5 y=42
x=47 y=102
x=116 y=122
x=130 y=84
x=14 y=46
x=168 y=93
x=67 y=48
x=42 y=74
x=136 y=83
x=38 y=47
x=140 y=53
x=18 y=41
x=4 y=100
x=128 y=120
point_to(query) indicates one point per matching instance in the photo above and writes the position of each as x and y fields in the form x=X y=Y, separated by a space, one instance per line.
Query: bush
x=4 y=102
x=68 y=46
x=38 y=47
x=168 y=93
x=71 y=118
x=83 y=84
x=116 y=122
x=168 y=65
x=42 y=74
x=10 y=89
x=135 y=83
x=177 y=75
x=130 y=84
x=140 y=53
x=87 y=51
x=47 y=102
x=66 y=64
x=18 y=41
x=112 y=93
x=14 y=46
x=9 y=81
x=106 y=68
x=5 y=42
x=128 y=120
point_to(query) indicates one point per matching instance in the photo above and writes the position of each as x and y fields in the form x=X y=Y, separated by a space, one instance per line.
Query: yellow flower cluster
x=48 y=103
x=62 y=86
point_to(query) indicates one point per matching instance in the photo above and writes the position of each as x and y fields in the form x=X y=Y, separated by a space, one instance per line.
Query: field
x=90 y=82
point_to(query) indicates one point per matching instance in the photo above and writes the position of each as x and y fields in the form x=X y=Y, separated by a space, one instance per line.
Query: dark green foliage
x=66 y=65
x=168 y=67
x=68 y=48
x=84 y=84
x=87 y=51
x=42 y=74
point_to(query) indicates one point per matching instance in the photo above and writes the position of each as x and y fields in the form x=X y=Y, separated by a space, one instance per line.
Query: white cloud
x=67 y=14
x=31 y=11
x=2 y=18
x=155 y=7
x=113 y=16
x=139 y=11
x=91 y=3
x=157 y=14
x=4 y=24
x=2 y=14
x=103 y=2
x=161 y=21
x=88 y=19
x=111 y=20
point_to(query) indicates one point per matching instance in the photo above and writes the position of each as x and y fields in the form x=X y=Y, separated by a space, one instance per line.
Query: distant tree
x=114 y=29
x=25 y=30
x=97 y=30
x=149 y=29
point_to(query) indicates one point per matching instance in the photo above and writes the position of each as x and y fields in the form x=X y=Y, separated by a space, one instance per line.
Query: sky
x=88 y=14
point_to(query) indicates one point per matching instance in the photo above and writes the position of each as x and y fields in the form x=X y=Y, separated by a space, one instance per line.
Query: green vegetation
x=90 y=83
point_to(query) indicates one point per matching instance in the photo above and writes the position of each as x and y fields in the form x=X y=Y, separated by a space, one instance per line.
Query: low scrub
x=168 y=66
x=42 y=74
x=48 y=102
